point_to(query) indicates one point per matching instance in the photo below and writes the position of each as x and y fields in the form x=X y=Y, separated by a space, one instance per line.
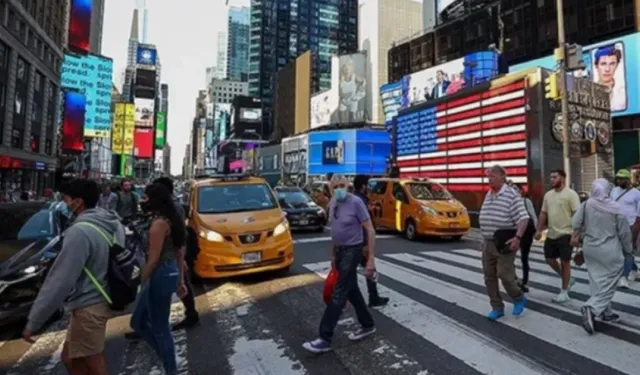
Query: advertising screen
x=129 y=128
x=126 y=166
x=161 y=128
x=251 y=114
x=73 y=114
x=612 y=63
x=146 y=78
x=456 y=149
x=324 y=108
x=391 y=98
x=93 y=76
x=333 y=152
x=143 y=143
x=144 y=112
x=353 y=103
x=117 y=132
x=80 y=25
x=146 y=55
x=349 y=152
x=222 y=116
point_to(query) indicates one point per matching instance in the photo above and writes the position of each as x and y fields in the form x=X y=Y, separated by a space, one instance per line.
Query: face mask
x=340 y=194
x=64 y=210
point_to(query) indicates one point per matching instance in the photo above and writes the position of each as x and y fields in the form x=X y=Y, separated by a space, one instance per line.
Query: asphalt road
x=434 y=324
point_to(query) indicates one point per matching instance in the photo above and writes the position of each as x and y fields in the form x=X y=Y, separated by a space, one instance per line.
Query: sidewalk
x=475 y=235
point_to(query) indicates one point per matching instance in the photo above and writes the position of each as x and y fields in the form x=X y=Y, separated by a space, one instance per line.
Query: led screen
x=80 y=25
x=143 y=143
x=161 y=128
x=251 y=114
x=144 y=112
x=73 y=116
x=146 y=55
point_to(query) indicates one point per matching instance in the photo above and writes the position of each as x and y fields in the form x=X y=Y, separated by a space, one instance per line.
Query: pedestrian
x=602 y=227
x=108 y=200
x=161 y=276
x=67 y=282
x=503 y=222
x=127 y=203
x=558 y=206
x=628 y=198
x=360 y=184
x=527 y=238
x=348 y=216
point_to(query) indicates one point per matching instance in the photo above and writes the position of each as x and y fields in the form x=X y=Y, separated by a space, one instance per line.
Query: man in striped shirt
x=502 y=210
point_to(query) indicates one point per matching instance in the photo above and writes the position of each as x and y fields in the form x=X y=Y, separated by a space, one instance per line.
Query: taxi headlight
x=429 y=210
x=211 y=236
x=281 y=228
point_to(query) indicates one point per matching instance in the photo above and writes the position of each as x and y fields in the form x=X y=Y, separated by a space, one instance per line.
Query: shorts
x=560 y=247
x=87 y=329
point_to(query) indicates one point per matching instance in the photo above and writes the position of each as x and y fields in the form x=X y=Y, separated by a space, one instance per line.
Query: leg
x=355 y=296
x=140 y=318
x=551 y=255
x=163 y=284
x=490 y=269
x=82 y=352
x=506 y=272
x=524 y=256
x=191 y=317
x=565 y=252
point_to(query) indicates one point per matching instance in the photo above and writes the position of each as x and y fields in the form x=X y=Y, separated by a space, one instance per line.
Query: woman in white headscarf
x=606 y=238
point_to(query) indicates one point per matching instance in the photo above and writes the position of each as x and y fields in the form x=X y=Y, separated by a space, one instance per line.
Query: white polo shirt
x=630 y=202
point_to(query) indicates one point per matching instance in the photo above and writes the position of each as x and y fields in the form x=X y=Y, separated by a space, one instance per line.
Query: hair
x=497 y=169
x=359 y=181
x=166 y=182
x=161 y=203
x=560 y=172
x=607 y=51
x=337 y=178
x=87 y=190
x=123 y=181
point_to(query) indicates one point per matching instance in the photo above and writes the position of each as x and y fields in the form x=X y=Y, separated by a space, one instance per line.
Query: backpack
x=123 y=274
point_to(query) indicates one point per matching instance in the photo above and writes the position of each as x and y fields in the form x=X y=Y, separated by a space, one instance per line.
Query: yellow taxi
x=417 y=207
x=236 y=227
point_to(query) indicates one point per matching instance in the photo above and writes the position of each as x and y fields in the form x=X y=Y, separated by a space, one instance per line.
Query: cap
x=623 y=173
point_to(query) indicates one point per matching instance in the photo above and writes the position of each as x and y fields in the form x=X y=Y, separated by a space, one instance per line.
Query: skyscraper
x=221 y=58
x=281 y=30
x=97 y=21
x=238 y=44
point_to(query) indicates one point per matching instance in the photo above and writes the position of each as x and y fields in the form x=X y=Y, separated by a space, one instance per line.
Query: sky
x=184 y=33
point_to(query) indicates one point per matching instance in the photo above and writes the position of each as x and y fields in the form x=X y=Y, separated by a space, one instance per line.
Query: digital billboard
x=391 y=98
x=612 y=63
x=143 y=143
x=324 y=108
x=117 y=132
x=73 y=114
x=129 y=128
x=251 y=114
x=348 y=152
x=144 y=116
x=91 y=75
x=221 y=118
x=80 y=25
x=353 y=103
x=145 y=84
x=161 y=128
x=146 y=55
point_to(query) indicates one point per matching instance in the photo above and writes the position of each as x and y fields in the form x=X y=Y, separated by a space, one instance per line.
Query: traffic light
x=551 y=87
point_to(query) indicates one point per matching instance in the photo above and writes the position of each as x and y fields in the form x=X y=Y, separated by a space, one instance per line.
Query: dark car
x=302 y=211
x=25 y=261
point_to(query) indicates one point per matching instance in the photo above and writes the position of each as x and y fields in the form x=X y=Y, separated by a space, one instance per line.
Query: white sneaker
x=623 y=283
x=633 y=275
x=562 y=297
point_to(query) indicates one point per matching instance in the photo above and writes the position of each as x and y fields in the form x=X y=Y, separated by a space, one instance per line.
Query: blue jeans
x=347 y=260
x=150 y=318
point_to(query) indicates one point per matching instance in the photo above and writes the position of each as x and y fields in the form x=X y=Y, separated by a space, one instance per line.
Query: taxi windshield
x=294 y=198
x=222 y=199
x=426 y=191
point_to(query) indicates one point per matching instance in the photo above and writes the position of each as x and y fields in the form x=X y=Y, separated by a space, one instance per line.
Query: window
x=378 y=187
x=34 y=143
x=19 y=104
x=4 y=56
x=39 y=82
x=16 y=138
x=22 y=69
x=48 y=147
x=36 y=111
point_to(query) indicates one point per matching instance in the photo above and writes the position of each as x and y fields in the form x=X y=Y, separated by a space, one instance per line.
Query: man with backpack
x=78 y=278
x=127 y=204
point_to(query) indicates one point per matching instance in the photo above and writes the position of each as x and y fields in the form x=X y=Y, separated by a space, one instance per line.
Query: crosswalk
x=434 y=324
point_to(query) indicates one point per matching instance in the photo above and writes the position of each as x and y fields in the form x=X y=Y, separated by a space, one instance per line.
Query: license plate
x=453 y=225
x=304 y=222
x=253 y=257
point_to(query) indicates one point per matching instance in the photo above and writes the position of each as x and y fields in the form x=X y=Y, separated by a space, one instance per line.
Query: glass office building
x=281 y=30
x=238 y=44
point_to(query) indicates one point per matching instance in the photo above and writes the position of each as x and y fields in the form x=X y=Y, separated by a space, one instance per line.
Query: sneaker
x=186 y=324
x=519 y=306
x=562 y=297
x=623 y=283
x=587 y=320
x=495 y=314
x=523 y=287
x=361 y=333
x=378 y=302
x=132 y=336
x=572 y=282
x=610 y=318
x=317 y=346
x=633 y=275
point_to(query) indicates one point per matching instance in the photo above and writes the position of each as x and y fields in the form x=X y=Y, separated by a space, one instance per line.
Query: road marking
x=327 y=239
x=606 y=350
x=479 y=352
x=50 y=341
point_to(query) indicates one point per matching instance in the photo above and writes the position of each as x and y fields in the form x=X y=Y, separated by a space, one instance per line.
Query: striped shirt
x=501 y=210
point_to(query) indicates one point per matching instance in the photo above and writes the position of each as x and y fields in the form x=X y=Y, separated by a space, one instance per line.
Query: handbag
x=501 y=237
x=578 y=257
x=329 y=286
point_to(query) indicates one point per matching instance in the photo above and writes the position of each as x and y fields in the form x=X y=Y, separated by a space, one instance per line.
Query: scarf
x=600 y=199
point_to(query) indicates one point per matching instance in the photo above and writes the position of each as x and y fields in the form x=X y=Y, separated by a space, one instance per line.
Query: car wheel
x=410 y=230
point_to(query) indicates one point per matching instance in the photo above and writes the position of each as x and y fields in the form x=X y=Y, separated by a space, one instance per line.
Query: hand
x=182 y=290
x=575 y=240
x=371 y=267
x=538 y=236
x=514 y=244
x=26 y=335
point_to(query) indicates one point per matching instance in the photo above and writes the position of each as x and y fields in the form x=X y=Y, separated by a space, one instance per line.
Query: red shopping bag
x=329 y=285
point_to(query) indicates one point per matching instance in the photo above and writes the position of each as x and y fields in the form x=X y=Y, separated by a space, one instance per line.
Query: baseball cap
x=623 y=173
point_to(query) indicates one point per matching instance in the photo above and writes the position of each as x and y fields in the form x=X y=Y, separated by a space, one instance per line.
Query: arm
x=157 y=232
x=635 y=228
x=362 y=215
x=542 y=219
x=62 y=278
x=624 y=234
x=520 y=216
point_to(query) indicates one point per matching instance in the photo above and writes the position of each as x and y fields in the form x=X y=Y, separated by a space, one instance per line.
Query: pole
x=562 y=73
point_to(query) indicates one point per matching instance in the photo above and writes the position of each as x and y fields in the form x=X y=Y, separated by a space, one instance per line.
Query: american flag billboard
x=454 y=142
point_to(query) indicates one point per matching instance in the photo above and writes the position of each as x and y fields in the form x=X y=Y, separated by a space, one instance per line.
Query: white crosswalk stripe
x=434 y=324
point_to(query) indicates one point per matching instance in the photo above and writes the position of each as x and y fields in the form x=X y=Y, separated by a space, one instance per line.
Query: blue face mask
x=340 y=194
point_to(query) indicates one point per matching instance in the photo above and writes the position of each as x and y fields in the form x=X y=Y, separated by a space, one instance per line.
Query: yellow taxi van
x=236 y=227
x=416 y=207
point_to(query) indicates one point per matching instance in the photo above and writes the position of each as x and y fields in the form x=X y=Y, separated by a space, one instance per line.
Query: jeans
x=189 y=301
x=347 y=260
x=372 y=286
x=150 y=318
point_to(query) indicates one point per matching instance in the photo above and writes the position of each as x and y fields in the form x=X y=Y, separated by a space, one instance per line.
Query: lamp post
x=562 y=76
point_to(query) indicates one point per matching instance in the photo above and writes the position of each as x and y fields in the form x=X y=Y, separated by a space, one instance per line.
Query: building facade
x=166 y=159
x=224 y=90
x=283 y=30
x=97 y=22
x=238 y=44
x=32 y=40
x=293 y=97
x=221 y=55
x=396 y=20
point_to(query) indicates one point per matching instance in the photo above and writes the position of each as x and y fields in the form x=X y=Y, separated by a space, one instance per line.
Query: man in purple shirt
x=347 y=216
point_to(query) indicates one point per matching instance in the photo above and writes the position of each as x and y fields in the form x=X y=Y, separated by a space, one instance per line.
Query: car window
x=428 y=191
x=235 y=198
x=39 y=226
x=378 y=187
x=294 y=199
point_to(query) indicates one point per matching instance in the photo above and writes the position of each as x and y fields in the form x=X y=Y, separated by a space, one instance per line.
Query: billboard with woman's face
x=354 y=101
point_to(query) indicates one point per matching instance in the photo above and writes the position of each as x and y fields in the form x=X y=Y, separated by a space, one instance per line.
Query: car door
x=377 y=192
x=398 y=203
